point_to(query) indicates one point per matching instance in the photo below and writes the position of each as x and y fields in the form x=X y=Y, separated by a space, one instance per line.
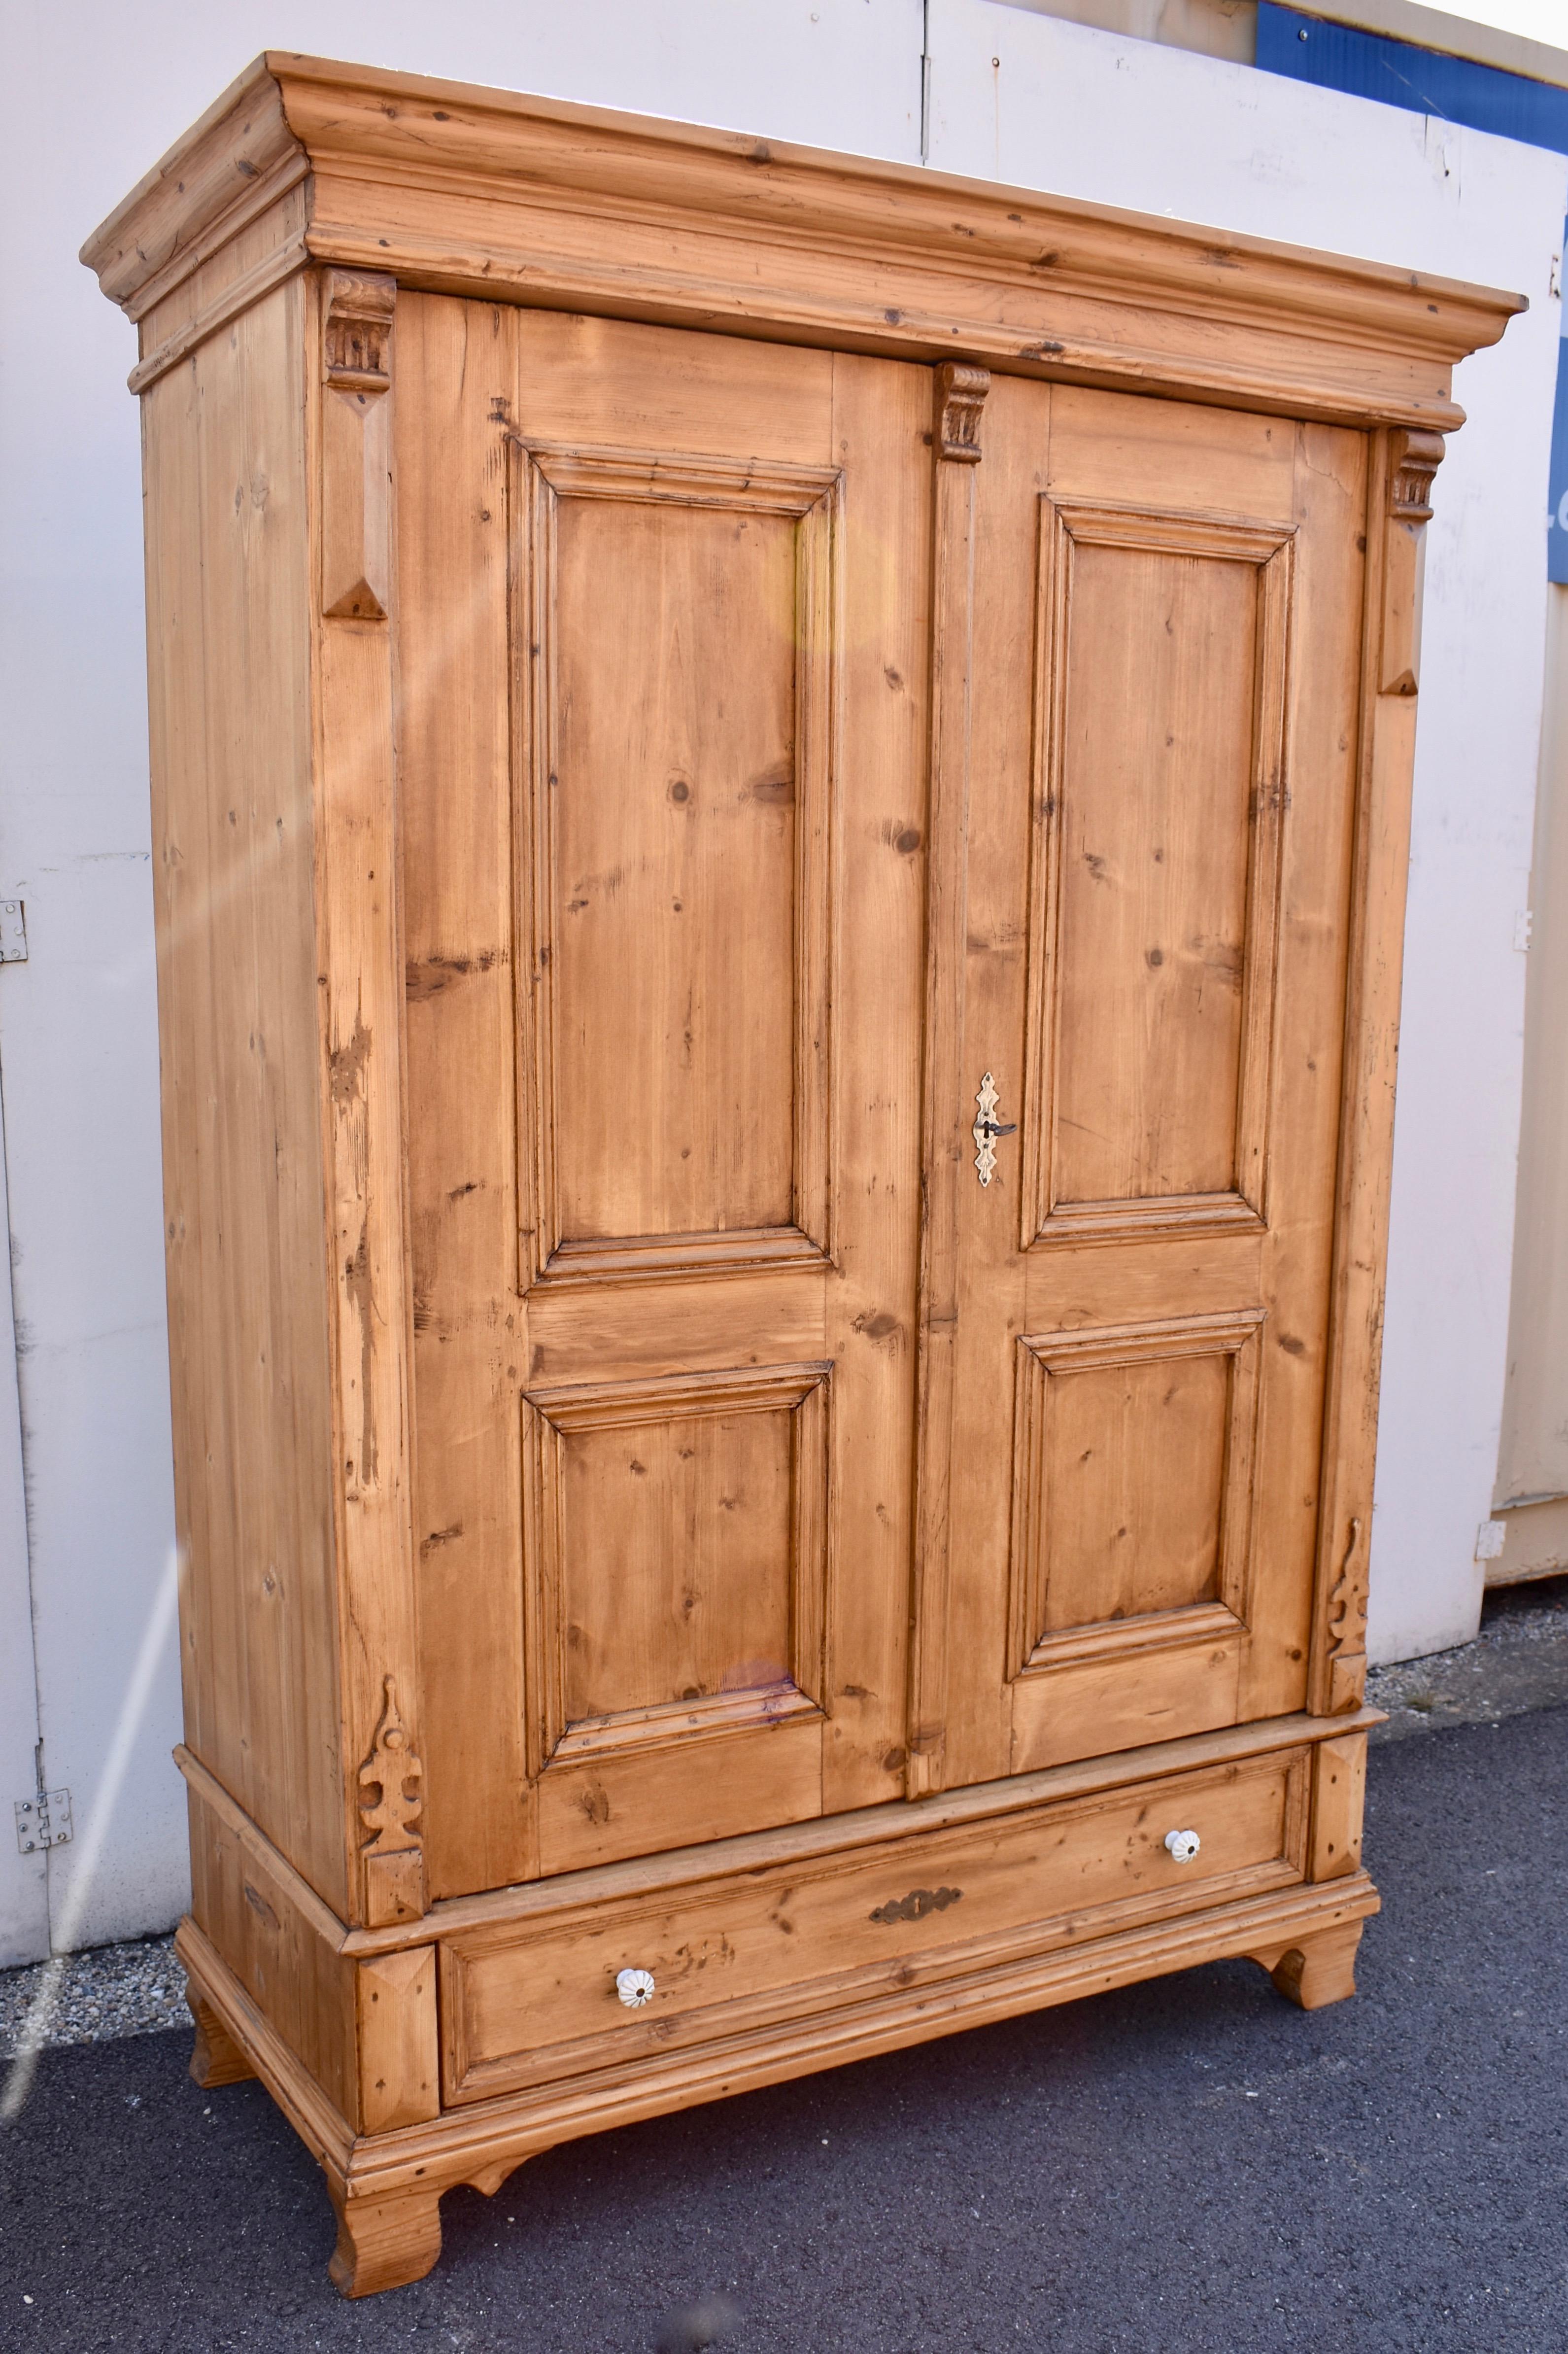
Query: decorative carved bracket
x=356 y=332
x=961 y=395
x=393 y=1855
x=1348 y=1628
x=1412 y=459
x=392 y=1814
x=356 y=444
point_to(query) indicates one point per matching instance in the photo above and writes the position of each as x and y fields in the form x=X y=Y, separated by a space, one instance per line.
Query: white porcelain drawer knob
x=634 y=1987
x=1181 y=1845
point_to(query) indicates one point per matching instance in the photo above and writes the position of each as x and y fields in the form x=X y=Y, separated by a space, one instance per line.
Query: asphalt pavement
x=1188 y=2167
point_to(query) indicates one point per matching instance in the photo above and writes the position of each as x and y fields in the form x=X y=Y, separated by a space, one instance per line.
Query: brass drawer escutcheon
x=917 y=1905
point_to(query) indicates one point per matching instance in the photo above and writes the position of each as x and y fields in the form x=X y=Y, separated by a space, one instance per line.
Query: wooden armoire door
x=1121 y=1470
x=663 y=645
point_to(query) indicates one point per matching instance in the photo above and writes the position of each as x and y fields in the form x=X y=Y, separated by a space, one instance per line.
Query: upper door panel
x=1162 y=712
x=684 y=651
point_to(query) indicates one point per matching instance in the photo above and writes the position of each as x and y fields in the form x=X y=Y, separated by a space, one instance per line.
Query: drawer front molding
x=526 y=2006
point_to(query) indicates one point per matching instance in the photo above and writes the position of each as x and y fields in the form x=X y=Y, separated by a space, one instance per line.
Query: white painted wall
x=102 y=92
x=23 y=1886
x=1054 y=105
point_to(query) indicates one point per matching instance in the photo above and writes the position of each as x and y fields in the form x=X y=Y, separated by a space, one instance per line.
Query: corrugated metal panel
x=1397 y=73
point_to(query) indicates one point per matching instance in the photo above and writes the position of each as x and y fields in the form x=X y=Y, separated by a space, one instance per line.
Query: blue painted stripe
x=1483 y=98
x=1557 y=514
x=1397 y=73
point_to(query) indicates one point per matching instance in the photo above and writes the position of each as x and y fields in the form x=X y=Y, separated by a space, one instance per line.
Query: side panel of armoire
x=228 y=536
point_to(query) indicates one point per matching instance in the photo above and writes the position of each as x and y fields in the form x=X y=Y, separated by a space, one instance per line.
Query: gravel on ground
x=110 y=1990
x=1519 y=1661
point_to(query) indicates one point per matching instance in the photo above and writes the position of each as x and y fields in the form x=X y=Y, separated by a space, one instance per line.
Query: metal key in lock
x=988 y=1128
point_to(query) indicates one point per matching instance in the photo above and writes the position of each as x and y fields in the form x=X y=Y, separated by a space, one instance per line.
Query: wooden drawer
x=536 y=1998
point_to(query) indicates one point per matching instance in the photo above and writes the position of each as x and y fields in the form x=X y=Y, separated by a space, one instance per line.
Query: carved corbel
x=1348 y=1628
x=356 y=444
x=961 y=395
x=1412 y=459
x=391 y=1805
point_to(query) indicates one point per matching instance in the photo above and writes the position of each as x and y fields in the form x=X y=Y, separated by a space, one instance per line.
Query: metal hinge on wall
x=43 y=1820
x=13 y=933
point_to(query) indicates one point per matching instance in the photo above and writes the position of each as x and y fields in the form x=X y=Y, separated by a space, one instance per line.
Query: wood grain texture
x=482 y=2143
x=943 y=1094
x=361 y=1075
x=648 y=743
x=384 y=2242
x=679 y=1556
x=1318 y=1969
x=1217 y=987
x=647 y=796
x=449 y=186
x=1162 y=670
x=881 y=416
x=675 y=917
x=1133 y=1452
x=216 y=2058
x=460 y=1014
x=279 y=1940
x=531 y=2008
x=1385 y=761
x=398 y=2048
x=671 y=1571
x=1338 y=1797
x=258 y=247
x=1317 y=967
x=799 y=1844
x=227 y=589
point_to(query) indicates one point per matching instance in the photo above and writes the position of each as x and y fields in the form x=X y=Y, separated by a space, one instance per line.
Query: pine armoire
x=780 y=806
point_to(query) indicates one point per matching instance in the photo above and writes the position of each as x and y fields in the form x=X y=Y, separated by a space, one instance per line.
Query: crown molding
x=457 y=189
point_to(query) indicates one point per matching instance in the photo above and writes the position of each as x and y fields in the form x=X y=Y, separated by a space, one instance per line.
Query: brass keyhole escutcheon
x=986 y=1128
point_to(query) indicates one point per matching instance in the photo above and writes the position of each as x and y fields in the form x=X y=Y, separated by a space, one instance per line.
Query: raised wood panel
x=1182 y=1574
x=680 y=791
x=1133 y=1465
x=678 y=1550
x=1163 y=672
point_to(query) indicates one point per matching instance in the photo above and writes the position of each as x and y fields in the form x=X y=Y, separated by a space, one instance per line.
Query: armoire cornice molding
x=454 y=189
